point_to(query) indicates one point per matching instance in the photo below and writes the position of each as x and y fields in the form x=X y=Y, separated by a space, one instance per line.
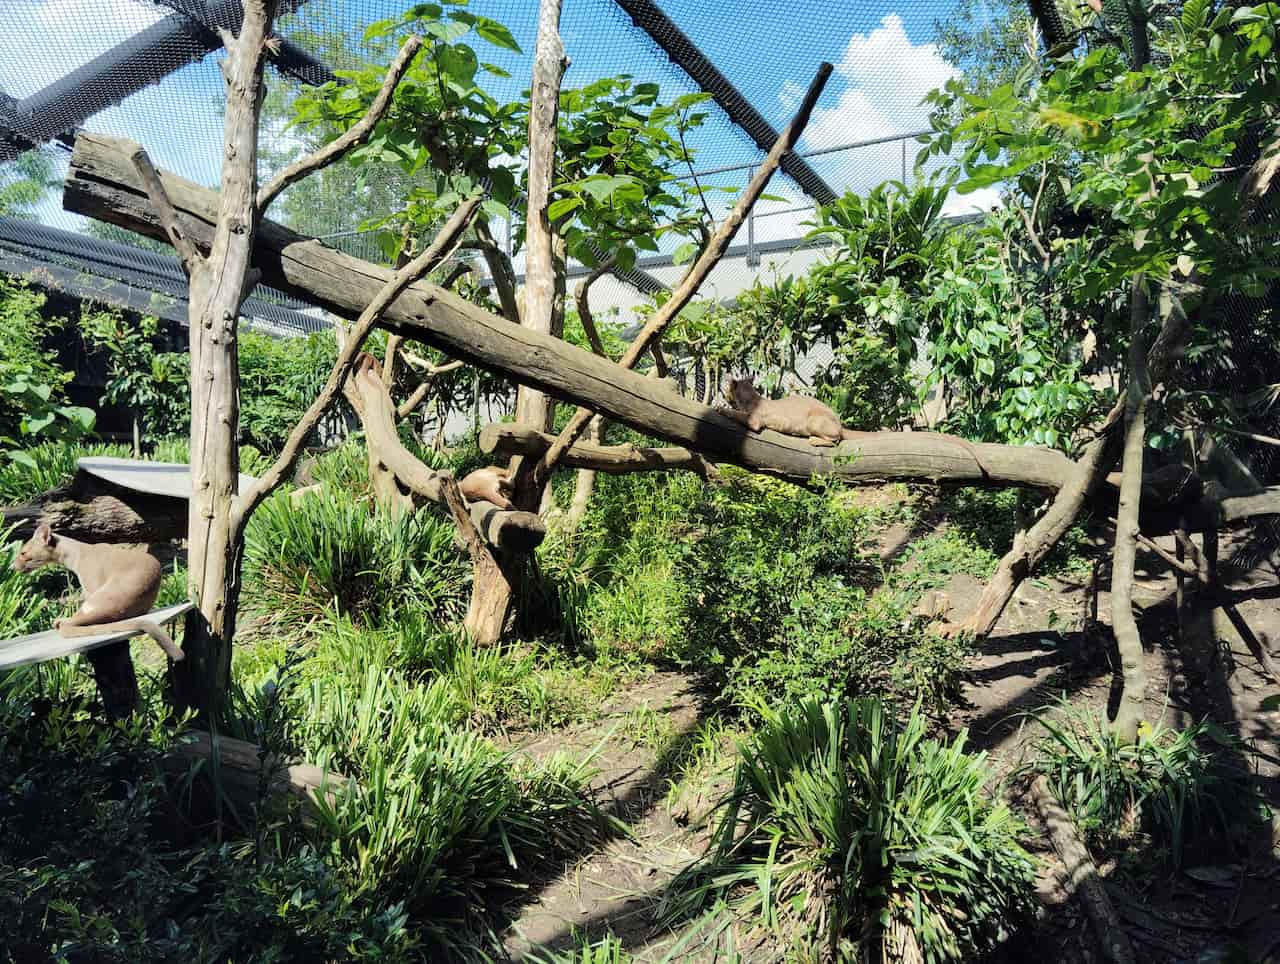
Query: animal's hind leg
x=821 y=441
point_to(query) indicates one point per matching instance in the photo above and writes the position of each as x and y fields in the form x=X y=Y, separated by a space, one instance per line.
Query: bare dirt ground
x=1052 y=641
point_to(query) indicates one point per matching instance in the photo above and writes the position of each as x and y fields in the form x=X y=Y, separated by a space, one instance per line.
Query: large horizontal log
x=94 y=510
x=507 y=439
x=102 y=184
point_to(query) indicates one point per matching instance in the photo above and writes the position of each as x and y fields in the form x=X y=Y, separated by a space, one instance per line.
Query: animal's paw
x=57 y=623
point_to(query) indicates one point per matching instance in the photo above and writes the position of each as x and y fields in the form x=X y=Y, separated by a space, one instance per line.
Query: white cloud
x=976 y=202
x=886 y=78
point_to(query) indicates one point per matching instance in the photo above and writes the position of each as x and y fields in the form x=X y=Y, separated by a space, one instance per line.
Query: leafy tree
x=25 y=182
x=33 y=404
x=151 y=384
x=988 y=40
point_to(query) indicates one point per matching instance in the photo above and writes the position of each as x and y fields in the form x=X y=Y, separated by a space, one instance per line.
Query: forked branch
x=697 y=274
x=436 y=252
x=356 y=135
x=159 y=198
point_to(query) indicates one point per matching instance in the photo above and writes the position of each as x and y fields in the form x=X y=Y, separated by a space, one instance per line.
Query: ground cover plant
x=847 y=831
x=1189 y=790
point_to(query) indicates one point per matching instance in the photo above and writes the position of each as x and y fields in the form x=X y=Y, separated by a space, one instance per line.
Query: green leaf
x=496 y=34
x=562 y=206
x=684 y=253
x=495 y=210
x=22 y=458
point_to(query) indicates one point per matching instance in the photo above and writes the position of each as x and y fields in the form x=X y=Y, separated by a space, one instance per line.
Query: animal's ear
x=45 y=536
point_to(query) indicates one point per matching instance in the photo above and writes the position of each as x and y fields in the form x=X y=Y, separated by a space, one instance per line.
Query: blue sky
x=768 y=48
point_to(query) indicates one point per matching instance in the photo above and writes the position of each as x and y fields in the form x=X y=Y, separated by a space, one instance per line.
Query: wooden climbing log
x=240 y=768
x=506 y=439
x=101 y=183
x=500 y=528
x=92 y=509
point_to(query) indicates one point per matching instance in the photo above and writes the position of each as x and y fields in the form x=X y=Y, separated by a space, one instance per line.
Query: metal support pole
x=904 y=161
x=753 y=259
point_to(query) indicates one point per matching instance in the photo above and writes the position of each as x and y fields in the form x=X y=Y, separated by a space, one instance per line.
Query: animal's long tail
x=152 y=629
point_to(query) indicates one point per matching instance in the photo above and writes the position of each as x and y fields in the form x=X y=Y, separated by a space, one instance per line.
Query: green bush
x=88 y=871
x=279 y=379
x=328 y=552
x=1178 y=786
x=847 y=833
x=49 y=465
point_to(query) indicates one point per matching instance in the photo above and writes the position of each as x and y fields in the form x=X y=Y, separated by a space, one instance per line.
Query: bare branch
x=358 y=134
x=159 y=198
x=508 y=438
x=451 y=495
x=420 y=363
x=698 y=272
x=582 y=296
x=435 y=253
x=389 y=358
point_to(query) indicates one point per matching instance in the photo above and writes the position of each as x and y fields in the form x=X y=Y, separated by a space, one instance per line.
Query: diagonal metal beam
x=147 y=57
x=684 y=53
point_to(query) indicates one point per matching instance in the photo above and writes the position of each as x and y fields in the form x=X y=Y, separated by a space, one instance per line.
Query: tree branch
x=581 y=295
x=439 y=248
x=507 y=438
x=356 y=135
x=697 y=274
x=159 y=198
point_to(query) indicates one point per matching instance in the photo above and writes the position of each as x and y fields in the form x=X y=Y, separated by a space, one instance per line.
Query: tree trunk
x=491 y=588
x=1123 y=623
x=218 y=285
x=585 y=484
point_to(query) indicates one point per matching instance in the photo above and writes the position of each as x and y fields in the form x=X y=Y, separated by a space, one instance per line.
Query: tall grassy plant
x=1178 y=786
x=328 y=552
x=847 y=832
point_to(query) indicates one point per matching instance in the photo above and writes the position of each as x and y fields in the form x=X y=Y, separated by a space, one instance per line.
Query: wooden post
x=543 y=310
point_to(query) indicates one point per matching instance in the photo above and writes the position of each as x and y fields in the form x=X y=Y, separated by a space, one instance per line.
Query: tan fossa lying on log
x=490 y=484
x=801 y=416
x=119 y=584
x=797 y=415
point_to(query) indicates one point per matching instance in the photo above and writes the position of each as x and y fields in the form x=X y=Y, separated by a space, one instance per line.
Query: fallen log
x=102 y=183
x=238 y=769
x=506 y=439
x=1082 y=878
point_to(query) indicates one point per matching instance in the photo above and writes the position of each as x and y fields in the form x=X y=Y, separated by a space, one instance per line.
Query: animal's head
x=741 y=392
x=505 y=483
x=39 y=550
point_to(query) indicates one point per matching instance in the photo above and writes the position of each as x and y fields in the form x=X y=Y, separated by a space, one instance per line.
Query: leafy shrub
x=328 y=552
x=47 y=466
x=845 y=831
x=1179 y=786
x=279 y=378
x=137 y=894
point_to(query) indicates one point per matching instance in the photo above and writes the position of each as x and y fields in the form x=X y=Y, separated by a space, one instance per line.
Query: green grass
x=330 y=554
x=848 y=834
x=55 y=465
x=1178 y=787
